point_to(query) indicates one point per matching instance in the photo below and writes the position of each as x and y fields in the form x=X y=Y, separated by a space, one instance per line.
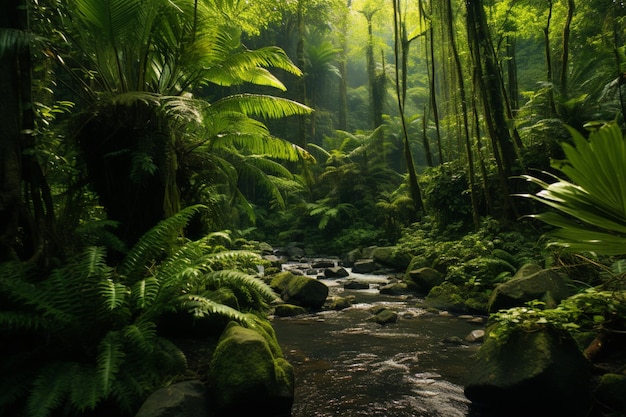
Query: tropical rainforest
x=149 y=148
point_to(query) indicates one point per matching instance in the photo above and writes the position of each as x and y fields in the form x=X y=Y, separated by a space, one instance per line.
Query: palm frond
x=261 y=105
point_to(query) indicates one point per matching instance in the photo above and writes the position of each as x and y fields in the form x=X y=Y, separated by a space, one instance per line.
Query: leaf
x=114 y=293
x=110 y=358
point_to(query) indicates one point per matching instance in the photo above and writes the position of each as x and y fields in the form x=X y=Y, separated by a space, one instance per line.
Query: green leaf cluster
x=590 y=208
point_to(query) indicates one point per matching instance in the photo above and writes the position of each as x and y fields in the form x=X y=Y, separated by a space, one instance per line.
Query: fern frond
x=110 y=358
x=238 y=279
x=51 y=388
x=142 y=335
x=202 y=306
x=155 y=242
x=144 y=293
x=113 y=293
x=86 y=391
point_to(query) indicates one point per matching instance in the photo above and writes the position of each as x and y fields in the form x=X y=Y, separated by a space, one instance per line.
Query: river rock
x=339 y=303
x=611 y=393
x=356 y=285
x=540 y=373
x=288 y=310
x=529 y=283
x=394 y=288
x=385 y=316
x=182 y=399
x=336 y=272
x=424 y=279
x=392 y=257
x=245 y=374
x=352 y=256
x=300 y=290
x=364 y=266
x=475 y=336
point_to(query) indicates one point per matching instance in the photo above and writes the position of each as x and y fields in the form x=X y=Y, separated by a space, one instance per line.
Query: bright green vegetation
x=150 y=148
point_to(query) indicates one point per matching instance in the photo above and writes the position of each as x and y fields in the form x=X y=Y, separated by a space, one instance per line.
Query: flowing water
x=348 y=366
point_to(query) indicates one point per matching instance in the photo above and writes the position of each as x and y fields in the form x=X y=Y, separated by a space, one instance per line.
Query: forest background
x=333 y=124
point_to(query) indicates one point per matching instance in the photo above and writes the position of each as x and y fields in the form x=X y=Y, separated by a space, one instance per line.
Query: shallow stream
x=348 y=366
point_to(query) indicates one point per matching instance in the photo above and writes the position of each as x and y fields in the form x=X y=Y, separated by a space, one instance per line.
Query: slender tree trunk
x=416 y=194
x=548 y=52
x=571 y=8
x=425 y=141
x=343 y=82
x=430 y=62
x=465 y=122
x=302 y=139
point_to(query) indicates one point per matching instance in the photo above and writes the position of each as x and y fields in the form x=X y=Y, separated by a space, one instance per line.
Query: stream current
x=348 y=366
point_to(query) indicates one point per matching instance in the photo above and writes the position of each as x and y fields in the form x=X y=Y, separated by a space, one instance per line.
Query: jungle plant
x=590 y=211
x=84 y=336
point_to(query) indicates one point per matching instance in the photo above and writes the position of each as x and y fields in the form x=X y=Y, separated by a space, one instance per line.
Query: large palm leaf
x=590 y=211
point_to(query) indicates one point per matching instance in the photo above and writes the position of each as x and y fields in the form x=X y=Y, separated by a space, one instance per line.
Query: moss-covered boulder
x=529 y=283
x=541 y=373
x=288 y=310
x=446 y=296
x=248 y=373
x=391 y=257
x=385 y=316
x=300 y=290
x=422 y=280
x=610 y=392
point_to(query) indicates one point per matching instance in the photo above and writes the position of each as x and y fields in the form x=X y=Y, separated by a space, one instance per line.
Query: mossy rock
x=446 y=296
x=300 y=290
x=422 y=280
x=541 y=373
x=417 y=262
x=488 y=269
x=611 y=393
x=288 y=310
x=392 y=257
x=245 y=374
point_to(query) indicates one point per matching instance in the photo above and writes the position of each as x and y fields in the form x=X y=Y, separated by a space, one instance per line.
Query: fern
x=50 y=388
x=110 y=358
x=155 y=242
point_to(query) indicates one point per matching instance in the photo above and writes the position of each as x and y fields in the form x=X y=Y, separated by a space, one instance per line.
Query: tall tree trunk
x=490 y=88
x=416 y=194
x=302 y=139
x=465 y=122
x=571 y=8
x=430 y=62
x=511 y=72
x=548 y=53
x=26 y=220
x=343 y=72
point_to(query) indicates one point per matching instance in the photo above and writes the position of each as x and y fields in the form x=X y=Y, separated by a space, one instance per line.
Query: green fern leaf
x=110 y=358
x=155 y=241
x=86 y=391
x=142 y=335
x=113 y=293
x=202 y=306
x=51 y=388
x=144 y=292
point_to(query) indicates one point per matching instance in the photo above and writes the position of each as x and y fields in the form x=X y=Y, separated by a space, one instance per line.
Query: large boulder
x=391 y=257
x=336 y=272
x=540 y=373
x=246 y=373
x=422 y=280
x=183 y=399
x=530 y=283
x=364 y=266
x=300 y=290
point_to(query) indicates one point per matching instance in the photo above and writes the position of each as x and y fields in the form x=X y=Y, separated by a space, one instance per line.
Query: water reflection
x=349 y=366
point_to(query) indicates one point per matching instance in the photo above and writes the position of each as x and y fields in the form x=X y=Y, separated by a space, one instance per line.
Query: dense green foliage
x=310 y=123
x=85 y=335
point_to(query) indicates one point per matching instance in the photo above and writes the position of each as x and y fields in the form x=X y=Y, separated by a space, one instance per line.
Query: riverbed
x=346 y=365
